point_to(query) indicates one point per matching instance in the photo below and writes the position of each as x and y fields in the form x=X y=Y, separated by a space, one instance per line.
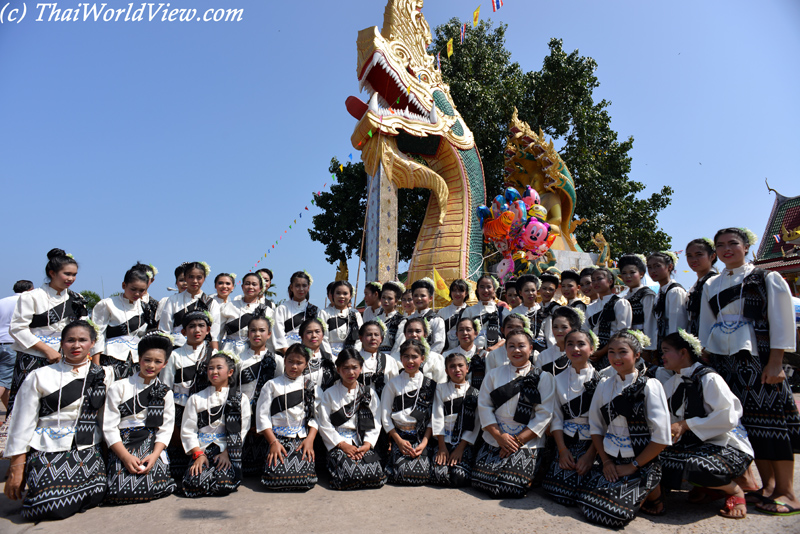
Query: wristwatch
x=635 y=464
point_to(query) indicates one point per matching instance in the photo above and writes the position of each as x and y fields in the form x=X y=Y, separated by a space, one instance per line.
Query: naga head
x=404 y=85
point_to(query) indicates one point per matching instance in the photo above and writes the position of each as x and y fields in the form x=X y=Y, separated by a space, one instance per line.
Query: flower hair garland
x=425 y=347
x=693 y=342
x=671 y=255
x=752 y=238
x=162 y=334
x=153 y=268
x=209 y=317
x=206 y=268
x=476 y=323
x=642 y=257
x=270 y=321
x=230 y=355
x=400 y=285
x=709 y=242
x=640 y=336
x=233 y=276
x=427 y=280
x=580 y=314
x=263 y=283
x=376 y=284
x=526 y=322
x=382 y=326
x=495 y=282
x=93 y=325
x=427 y=326
x=324 y=325
x=70 y=256
x=310 y=279
x=595 y=341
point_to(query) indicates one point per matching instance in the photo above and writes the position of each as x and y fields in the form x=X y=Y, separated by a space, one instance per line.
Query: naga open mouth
x=385 y=85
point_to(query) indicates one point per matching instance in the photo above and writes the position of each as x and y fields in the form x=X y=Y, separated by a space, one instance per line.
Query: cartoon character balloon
x=515 y=223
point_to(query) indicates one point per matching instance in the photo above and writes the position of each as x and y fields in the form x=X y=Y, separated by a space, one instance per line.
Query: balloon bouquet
x=515 y=224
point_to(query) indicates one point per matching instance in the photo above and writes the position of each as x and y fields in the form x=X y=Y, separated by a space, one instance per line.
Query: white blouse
x=623 y=315
x=30 y=303
x=675 y=309
x=496 y=358
x=115 y=311
x=181 y=358
x=569 y=385
x=54 y=432
x=248 y=358
x=370 y=314
x=445 y=313
x=288 y=423
x=334 y=399
x=121 y=392
x=400 y=385
x=650 y=326
x=503 y=416
x=181 y=301
x=721 y=426
x=213 y=402
x=235 y=311
x=391 y=368
x=437 y=332
x=443 y=425
x=730 y=332
x=548 y=355
x=480 y=309
x=281 y=338
x=616 y=438
x=336 y=337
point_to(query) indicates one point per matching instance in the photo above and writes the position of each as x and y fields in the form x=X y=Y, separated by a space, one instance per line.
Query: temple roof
x=785 y=214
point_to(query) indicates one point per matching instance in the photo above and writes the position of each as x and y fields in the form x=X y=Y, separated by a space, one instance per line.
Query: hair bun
x=56 y=253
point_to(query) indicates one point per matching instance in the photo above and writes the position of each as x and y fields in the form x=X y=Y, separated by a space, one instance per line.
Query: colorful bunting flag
x=463 y=31
x=351 y=156
x=370 y=134
x=449 y=48
x=475 y=16
x=341 y=168
x=496 y=4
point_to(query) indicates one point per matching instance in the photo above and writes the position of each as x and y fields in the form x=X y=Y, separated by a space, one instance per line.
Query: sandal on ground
x=756 y=497
x=705 y=495
x=731 y=504
x=651 y=507
x=789 y=509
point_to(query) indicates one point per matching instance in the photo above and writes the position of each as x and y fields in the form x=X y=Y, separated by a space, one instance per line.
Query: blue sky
x=168 y=142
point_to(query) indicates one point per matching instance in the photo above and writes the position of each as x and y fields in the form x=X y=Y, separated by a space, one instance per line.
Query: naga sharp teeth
x=434 y=117
x=373 y=104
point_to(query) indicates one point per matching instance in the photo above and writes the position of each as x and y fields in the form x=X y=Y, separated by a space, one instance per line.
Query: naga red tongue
x=356 y=107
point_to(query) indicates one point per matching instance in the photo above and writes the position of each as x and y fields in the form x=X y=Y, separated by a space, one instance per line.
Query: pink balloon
x=530 y=196
x=533 y=234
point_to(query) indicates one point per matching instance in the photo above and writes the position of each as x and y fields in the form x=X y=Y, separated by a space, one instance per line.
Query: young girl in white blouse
x=450 y=314
x=499 y=357
x=406 y=406
x=746 y=324
x=570 y=427
x=343 y=321
x=39 y=317
x=641 y=298
x=629 y=424
x=320 y=367
x=178 y=305
x=670 y=307
x=291 y=314
x=422 y=292
x=257 y=365
x=349 y=423
x=554 y=359
x=54 y=436
x=239 y=312
x=372 y=301
x=391 y=292
x=607 y=315
x=138 y=422
x=710 y=449
x=418 y=328
x=121 y=321
x=701 y=257
x=455 y=424
x=515 y=406
x=488 y=313
x=214 y=425
x=287 y=419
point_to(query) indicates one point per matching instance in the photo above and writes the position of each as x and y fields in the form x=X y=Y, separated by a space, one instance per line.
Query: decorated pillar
x=380 y=246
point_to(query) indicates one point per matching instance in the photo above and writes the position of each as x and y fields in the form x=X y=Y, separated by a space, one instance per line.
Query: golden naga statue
x=410 y=134
x=342 y=273
x=791 y=236
x=531 y=160
x=604 y=255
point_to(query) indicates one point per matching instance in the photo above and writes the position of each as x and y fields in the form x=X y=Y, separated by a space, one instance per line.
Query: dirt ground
x=398 y=509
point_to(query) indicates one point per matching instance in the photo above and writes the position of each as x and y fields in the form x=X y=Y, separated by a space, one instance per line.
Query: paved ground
x=398 y=509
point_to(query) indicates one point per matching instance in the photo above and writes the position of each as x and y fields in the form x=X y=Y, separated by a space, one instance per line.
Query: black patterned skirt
x=614 y=504
x=294 y=473
x=348 y=474
x=179 y=461
x=127 y=488
x=770 y=413
x=23 y=366
x=122 y=368
x=455 y=476
x=510 y=477
x=61 y=484
x=562 y=484
x=702 y=464
x=405 y=470
x=254 y=454
x=212 y=481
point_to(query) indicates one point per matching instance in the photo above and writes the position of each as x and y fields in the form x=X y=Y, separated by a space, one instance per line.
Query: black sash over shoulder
x=579 y=406
x=133 y=324
x=69 y=394
x=465 y=407
x=630 y=405
x=378 y=378
x=603 y=320
x=73 y=308
x=528 y=388
x=281 y=403
x=637 y=307
x=360 y=407
x=557 y=366
x=152 y=399
x=295 y=321
x=206 y=418
x=202 y=304
x=231 y=327
x=422 y=402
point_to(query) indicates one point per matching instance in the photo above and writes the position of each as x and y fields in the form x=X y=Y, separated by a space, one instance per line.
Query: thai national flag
x=777 y=238
x=496 y=4
x=463 y=31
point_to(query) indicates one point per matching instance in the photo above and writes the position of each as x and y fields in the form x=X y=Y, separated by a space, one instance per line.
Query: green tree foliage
x=91 y=297
x=486 y=86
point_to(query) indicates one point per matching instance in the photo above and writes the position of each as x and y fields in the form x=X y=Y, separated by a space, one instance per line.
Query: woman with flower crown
x=237 y=313
x=710 y=450
x=291 y=314
x=746 y=324
x=178 y=305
